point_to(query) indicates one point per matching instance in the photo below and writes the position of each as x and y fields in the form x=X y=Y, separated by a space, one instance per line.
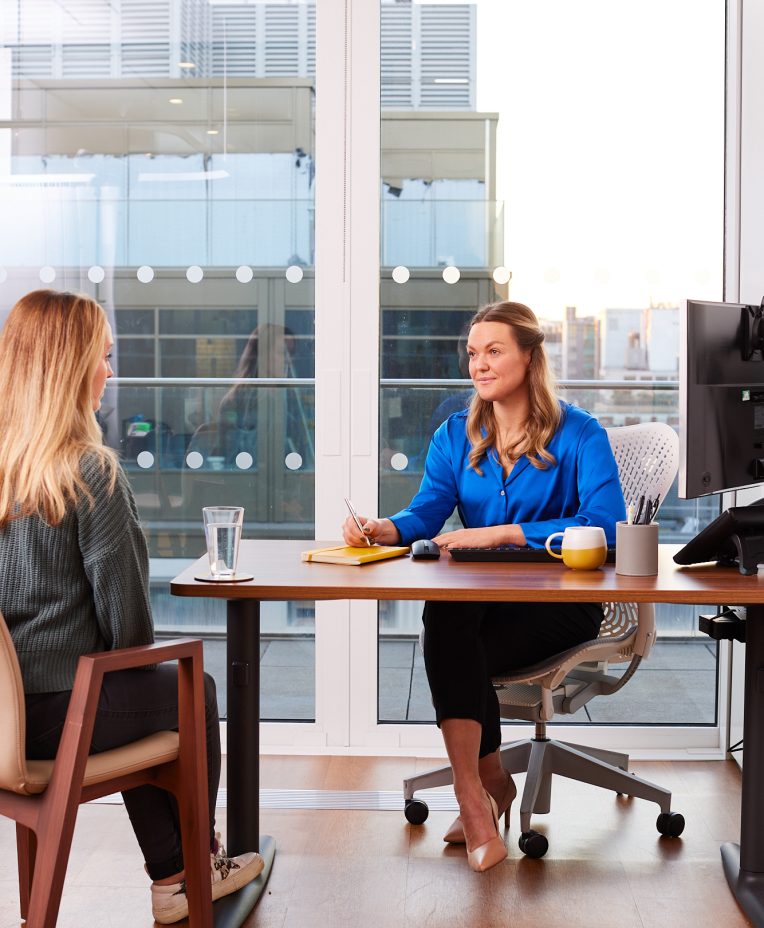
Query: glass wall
x=158 y=154
x=549 y=154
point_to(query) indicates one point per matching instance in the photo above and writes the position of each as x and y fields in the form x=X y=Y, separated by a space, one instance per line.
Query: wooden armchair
x=42 y=796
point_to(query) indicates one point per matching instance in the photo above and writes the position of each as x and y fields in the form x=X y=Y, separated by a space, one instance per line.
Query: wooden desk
x=281 y=575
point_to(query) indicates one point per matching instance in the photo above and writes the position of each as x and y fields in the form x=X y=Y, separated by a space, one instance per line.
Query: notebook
x=345 y=554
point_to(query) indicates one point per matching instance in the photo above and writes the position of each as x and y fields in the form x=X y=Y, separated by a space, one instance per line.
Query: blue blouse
x=581 y=488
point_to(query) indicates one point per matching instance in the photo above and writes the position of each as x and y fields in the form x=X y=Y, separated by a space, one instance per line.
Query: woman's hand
x=378 y=531
x=490 y=537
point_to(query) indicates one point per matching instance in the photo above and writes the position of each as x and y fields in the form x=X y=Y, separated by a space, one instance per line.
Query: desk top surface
x=280 y=574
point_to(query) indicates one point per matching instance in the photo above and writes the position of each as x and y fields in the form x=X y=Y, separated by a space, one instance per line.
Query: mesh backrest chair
x=648 y=458
x=42 y=796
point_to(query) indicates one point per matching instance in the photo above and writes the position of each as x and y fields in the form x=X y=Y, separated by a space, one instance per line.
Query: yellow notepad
x=345 y=554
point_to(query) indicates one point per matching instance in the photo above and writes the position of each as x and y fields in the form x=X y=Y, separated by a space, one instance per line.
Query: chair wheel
x=533 y=844
x=670 y=824
x=416 y=811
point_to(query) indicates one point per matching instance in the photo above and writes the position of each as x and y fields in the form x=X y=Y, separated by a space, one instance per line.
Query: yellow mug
x=584 y=547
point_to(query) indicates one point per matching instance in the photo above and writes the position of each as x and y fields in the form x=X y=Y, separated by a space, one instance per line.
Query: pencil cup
x=636 y=549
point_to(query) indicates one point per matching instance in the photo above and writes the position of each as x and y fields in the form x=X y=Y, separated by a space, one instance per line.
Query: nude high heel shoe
x=493 y=851
x=455 y=833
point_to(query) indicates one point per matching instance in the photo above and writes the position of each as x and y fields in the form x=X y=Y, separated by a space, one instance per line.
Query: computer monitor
x=721 y=398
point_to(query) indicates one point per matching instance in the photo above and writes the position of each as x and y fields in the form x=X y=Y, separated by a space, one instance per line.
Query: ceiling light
x=186 y=65
x=175 y=100
x=213 y=132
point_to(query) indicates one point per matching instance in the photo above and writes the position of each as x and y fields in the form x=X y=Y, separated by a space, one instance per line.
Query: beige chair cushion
x=159 y=748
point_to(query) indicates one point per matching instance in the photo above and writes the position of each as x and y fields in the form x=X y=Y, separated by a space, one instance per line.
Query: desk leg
x=243 y=688
x=744 y=863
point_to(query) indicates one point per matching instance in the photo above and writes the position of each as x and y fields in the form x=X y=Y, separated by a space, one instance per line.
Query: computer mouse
x=425 y=550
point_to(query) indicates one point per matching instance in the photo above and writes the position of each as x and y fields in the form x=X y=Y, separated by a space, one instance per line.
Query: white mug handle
x=548 y=545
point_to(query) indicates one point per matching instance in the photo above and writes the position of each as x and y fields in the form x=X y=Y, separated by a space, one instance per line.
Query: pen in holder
x=636 y=549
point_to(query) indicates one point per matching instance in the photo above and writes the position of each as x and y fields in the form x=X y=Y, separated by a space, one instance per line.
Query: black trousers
x=133 y=704
x=465 y=644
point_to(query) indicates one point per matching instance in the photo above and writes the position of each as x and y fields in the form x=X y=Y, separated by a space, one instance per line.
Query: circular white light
x=501 y=275
x=194 y=460
x=194 y=274
x=244 y=274
x=293 y=274
x=244 y=460
x=145 y=459
x=451 y=274
x=96 y=274
x=145 y=274
x=399 y=461
x=47 y=274
x=3 y=275
x=401 y=274
x=293 y=461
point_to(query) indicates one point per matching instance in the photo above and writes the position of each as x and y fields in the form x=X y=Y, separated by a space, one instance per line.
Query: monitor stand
x=750 y=553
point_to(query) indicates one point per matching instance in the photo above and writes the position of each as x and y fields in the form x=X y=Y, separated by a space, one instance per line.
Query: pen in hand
x=357 y=521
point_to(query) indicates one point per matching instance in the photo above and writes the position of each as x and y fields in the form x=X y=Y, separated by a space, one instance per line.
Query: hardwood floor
x=607 y=867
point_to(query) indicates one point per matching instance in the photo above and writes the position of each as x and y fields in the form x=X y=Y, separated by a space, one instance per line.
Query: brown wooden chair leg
x=54 y=841
x=26 y=849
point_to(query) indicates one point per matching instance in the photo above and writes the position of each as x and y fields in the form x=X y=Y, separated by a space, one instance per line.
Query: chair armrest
x=74 y=746
x=143 y=655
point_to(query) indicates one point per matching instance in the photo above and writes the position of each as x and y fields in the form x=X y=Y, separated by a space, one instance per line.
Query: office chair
x=42 y=796
x=648 y=458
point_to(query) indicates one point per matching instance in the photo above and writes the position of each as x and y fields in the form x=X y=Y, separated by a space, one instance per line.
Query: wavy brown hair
x=50 y=347
x=545 y=414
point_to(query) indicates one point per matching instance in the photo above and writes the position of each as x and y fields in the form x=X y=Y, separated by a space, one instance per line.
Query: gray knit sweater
x=77 y=587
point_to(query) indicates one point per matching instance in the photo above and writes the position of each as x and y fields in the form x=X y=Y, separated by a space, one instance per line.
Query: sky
x=610 y=152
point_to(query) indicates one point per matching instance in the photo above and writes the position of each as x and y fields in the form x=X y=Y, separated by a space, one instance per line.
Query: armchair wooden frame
x=43 y=796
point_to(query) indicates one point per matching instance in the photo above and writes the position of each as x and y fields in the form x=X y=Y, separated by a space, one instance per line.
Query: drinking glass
x=222 y=529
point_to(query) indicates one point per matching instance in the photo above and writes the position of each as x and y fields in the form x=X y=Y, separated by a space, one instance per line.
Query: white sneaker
x=169 y=903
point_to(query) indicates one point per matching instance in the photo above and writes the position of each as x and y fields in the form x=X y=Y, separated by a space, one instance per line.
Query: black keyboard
x=516 y=553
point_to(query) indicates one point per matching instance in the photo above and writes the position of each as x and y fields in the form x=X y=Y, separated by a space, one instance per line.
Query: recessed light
x=175 y=100
x=186 y=65
x=213 y=132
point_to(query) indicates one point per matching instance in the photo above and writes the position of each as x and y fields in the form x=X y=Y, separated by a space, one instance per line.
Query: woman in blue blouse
x=518 y=465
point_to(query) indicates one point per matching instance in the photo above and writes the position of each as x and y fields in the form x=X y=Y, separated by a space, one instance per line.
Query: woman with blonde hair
x=518 y=465
x=75 y=567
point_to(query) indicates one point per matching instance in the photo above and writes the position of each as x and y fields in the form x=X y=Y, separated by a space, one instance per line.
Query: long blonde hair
x=544 y=415
x=50 y=347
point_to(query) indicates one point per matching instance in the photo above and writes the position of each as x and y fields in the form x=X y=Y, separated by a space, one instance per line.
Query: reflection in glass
x=530 y=195
x=160 y=209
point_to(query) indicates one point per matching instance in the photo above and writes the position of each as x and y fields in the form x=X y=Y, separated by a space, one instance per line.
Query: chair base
x=541 y=758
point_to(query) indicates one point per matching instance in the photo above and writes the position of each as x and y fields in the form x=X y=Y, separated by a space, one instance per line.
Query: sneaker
x=169 y=903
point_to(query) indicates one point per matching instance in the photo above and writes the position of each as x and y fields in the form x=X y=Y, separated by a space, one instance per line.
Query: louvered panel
x=146 y=59
x=32 y=61
x=311 y=50
x=145 y=21
x=395 y=55
x=445 y=55
x=37 y=23
x=145 y=34
x=195 y=26
x=86 y=60
x=233 y=41
x=85 y=21
x=282 y=49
